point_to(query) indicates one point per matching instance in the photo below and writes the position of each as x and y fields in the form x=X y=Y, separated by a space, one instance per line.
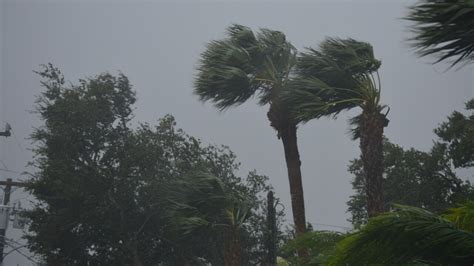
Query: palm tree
x=200 y=207
x=341 y=75
x=243 y=65
x=444 y=28
x=411 y=235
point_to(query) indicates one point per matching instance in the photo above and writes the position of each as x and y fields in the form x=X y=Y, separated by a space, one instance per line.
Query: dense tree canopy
x=100 y=183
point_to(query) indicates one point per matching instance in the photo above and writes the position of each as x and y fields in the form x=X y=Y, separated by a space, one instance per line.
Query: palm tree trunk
x=280 y=120
x=233 y=249
x=371 y=145
x=293 y=164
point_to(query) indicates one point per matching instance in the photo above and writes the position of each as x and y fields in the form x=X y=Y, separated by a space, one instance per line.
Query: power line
x=4 y=165
x=11 y=171
x=23 y=150
x=21 y=253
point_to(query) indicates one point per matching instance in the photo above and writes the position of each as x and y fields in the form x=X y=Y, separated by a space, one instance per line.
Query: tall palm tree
x=410 y=235
x=245 y=64
x=341 y=75
x=444 y=28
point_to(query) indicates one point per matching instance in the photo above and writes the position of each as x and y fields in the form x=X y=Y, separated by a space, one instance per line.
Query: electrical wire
x=23 y=254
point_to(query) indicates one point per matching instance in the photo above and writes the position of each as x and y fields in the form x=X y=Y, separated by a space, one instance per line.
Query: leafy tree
x=411 y=235
x=458 y=134
x=420 y=179
x=444 y=28
x=340 y=76
x=245 y=64
x=82 y=183
x=99 y=182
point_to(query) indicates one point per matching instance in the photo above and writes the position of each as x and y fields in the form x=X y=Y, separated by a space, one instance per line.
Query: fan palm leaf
x=200 y=206
x=444 y=28
x=407 y=235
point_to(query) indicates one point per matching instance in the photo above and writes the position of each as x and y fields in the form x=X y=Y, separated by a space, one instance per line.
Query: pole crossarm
x=12 y=183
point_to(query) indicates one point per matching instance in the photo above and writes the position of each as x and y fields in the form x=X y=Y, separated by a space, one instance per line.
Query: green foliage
x=100 y=184
x=320 y=244
x=458 y=134
x=407 y=235
x=462 y=216
x=444 y=28
x=336 y=77
x=244 y=64
x=412 y=177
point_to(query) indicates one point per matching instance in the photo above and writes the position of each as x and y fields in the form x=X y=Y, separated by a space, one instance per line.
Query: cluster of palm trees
x=340 y=74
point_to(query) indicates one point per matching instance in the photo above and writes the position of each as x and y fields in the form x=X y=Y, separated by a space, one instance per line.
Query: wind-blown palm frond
x=407 y=235
x=200 y=201
x=462 y=216
x=234 y=69
x=444 y=28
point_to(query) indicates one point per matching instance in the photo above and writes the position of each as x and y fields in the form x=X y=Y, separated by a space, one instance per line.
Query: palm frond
x=355 y=123
x=462 y=216
x=444 y=28
x=199 y=201
x=406 y=235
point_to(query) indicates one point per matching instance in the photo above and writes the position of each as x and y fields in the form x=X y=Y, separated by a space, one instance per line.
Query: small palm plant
x=200 y=206
x=243 y=65
x=342 y=75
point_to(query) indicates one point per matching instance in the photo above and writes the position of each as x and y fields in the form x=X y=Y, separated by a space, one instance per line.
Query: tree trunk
x=293 y=164
x=371 y=145
x=281 y=121
x=232 y=252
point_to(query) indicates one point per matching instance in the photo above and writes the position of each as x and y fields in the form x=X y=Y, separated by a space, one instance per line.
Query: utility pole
x=271 y=230
x=6 y=199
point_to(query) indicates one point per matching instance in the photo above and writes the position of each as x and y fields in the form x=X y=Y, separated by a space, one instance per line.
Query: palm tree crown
x=336 y=77
x=234 y=69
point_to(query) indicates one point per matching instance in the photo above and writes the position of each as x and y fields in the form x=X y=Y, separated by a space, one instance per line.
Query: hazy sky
x=157 y=45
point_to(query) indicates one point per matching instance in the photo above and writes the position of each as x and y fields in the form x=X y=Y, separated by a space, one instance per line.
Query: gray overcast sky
x=157 y=45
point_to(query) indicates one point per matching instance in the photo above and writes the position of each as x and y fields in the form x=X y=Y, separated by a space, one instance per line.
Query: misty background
x=157 y=45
